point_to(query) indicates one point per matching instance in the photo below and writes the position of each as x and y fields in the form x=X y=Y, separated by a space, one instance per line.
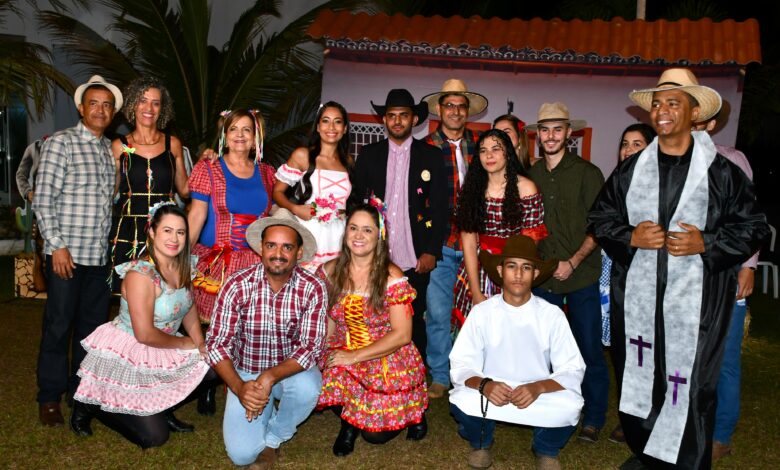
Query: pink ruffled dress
x=122 y=375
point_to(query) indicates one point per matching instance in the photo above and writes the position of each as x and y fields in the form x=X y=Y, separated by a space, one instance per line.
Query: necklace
x=138 y=141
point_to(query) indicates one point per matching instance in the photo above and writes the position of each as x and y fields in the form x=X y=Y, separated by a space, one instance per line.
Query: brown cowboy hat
x=517 y=246
x=555 y=112
x=683 y=80
x=453 y=86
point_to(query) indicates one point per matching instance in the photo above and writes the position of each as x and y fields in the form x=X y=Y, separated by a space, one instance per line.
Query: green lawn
x=24 y=444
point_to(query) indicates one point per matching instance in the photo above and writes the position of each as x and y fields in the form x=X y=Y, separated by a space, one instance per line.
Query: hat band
x=668 y=83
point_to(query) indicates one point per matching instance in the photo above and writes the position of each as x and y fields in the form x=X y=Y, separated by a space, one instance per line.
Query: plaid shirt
x=74 y=188
x=468 y=145
x=258 y=328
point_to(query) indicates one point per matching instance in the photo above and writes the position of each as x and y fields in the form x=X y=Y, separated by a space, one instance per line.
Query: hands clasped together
x=651 y=236
x=500 y=394
x=254 y=395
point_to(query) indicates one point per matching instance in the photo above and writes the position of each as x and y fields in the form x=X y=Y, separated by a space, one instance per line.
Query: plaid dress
x=496 y=232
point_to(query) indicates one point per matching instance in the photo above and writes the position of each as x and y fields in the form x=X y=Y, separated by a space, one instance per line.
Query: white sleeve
x=565 y=358
x=468 y=353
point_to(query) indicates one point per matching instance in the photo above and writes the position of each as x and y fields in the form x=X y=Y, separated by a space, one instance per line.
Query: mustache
x=278 y=258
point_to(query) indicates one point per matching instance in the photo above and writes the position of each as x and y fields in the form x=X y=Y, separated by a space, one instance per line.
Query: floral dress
x=122 y=375
x=496 y=233
x=383 y=394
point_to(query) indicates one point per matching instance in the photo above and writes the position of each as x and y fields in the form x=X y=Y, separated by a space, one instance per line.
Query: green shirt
x=568 y=191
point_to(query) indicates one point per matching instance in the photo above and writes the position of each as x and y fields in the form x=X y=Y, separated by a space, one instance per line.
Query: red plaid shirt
x=258 y=328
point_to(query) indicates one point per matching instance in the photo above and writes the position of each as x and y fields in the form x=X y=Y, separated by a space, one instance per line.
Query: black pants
x=80 y=305
x=420 y=284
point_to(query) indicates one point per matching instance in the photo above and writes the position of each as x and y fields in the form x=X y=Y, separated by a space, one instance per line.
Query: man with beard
x=569 y=185
x=407 y=176
x=454 y=104
x=677 y=221
x=267 y=332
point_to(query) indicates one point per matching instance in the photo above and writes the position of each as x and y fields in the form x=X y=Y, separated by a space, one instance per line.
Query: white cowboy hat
x=98 y=80
x=284 y=217
x=453 y=86
x=684 y=80
x=553 y=112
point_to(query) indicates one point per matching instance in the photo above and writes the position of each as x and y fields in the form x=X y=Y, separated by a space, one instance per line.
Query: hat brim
x=709 y=99
x=284 y=217
x=420 y=110
x=575 y=124
x=79 y=93
x=490 y=264
x=477 y=102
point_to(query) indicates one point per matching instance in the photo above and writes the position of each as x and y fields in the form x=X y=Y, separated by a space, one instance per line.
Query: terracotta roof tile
x=699 y=42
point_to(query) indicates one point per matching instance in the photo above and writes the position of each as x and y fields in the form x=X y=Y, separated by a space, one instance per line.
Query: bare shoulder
x=526 y=187
x=299 y=159
x=329 y=267
x=395 y=273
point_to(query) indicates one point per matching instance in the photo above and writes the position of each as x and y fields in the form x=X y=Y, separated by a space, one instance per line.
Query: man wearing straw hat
x=453 y=104
x=569 y=185
x=267 y=332
x=542 y=387
x=677 y=221
x=73 y=194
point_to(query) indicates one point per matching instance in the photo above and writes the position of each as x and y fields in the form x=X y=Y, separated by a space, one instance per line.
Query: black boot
x=174 y=425
x=207 y=401
x=80 y=419
x=345 y=441
x=416 y=432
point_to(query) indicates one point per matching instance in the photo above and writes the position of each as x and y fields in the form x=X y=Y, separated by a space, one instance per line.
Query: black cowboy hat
x=517 y=246
x=400 y=97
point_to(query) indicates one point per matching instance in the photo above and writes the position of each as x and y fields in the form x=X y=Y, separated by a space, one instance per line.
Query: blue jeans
x=727 y=412
x=547 y=441
x=585 y=320
x=439 y=314
x=297 y=396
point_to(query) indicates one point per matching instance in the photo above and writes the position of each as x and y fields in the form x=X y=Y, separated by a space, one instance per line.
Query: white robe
x=518 y=345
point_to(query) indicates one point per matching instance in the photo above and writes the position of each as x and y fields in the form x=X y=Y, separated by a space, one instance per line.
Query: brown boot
x=50 y=414
x=266 y=459
x=720 y=450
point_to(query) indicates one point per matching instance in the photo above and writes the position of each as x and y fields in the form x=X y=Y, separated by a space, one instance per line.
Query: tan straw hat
x=281 y=216
x=453 y=86
x=681 y=79
x=517 y=246
x=555 y=112
x=98 y=80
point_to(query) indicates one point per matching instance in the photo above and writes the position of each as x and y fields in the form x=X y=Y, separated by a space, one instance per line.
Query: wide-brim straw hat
x=284 y=217
x=556 y=112
x=684 y=80
x=517 y=246
x=400 y=97
x=453 y=86
x=98 y=80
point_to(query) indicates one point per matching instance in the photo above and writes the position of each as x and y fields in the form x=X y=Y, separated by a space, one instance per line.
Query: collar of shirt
x=86 y=134
x=404 y=147
x=263 y=278
x=567 y=160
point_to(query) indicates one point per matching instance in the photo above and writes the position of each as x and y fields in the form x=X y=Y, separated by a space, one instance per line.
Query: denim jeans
x=547 y=441
x=439 y=314
x=297 y=396
x=584 y=313
x=727 y=412
x=81 y=302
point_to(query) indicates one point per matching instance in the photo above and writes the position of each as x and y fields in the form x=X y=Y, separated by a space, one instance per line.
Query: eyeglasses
x=453 y=106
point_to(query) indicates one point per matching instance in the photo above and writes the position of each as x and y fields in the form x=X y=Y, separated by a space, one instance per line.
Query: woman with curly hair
x=150 y=167
x=319 y=177
x=497 y=201
x=372 y=373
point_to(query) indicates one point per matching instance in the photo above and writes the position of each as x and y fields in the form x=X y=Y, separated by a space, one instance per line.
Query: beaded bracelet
x=482 y=384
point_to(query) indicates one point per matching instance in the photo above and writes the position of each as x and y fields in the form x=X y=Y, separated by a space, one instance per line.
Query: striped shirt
x=74 y=188
x=257 y=328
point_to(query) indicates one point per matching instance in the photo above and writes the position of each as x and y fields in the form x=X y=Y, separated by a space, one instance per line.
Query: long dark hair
x=471 y=212
x=380 y=269
x=647 y=131
x=303 y=189
x=183 y=258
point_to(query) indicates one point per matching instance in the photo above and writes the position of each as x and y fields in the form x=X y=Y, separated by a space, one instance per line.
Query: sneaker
x=617 y=435
x=437 y=390
x=589 y=434
x=720 y=450
x=480 y=458
x=545 y=462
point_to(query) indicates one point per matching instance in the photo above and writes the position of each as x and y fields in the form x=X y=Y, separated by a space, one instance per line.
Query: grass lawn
x=25 y=444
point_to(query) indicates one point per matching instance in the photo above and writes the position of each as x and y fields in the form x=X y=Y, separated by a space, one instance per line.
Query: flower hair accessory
x=154 y=208
x=381 y=207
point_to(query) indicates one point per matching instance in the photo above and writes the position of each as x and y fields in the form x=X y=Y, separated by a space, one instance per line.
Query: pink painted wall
x=601 y=100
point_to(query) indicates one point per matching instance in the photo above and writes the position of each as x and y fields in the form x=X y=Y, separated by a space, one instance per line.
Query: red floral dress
x=381 y=394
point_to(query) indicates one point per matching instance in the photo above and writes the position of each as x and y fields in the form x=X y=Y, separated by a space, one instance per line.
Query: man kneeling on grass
x=502 y=358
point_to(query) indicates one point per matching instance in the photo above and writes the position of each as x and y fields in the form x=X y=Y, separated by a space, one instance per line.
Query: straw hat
x=517 y=246
x=681 y=79
x=556 y=112
x=453 y=86
x=284 y=217
x=98 y=80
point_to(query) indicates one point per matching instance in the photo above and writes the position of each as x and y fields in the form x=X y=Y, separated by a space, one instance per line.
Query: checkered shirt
x=74 y=188
x=257 y=328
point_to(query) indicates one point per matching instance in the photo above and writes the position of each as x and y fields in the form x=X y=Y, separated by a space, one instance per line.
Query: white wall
x=601 y=100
